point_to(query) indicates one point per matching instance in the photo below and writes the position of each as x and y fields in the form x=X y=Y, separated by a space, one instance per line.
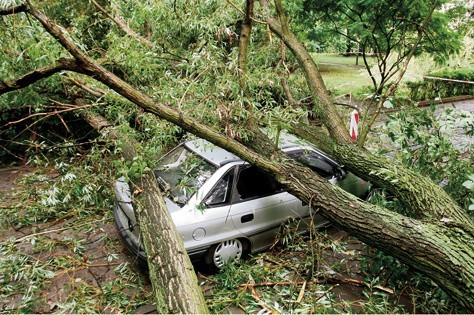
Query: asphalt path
x=467 y=105
x=459 y=137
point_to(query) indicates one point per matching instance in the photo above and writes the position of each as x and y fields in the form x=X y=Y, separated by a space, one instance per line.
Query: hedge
x=430 y=88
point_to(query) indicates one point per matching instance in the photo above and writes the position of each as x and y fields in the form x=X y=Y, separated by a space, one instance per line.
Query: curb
x=445 y=100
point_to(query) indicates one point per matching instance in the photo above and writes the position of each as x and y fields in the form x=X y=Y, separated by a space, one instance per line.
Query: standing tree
x=187 y=77
x=393 y=32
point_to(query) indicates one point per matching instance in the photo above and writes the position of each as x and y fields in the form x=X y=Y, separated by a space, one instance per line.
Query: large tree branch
x=39 y=74
x=245 y=41
x=324 y=105
x=410 y=187
x=13 y=9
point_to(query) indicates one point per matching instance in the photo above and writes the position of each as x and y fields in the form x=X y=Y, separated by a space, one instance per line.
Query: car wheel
x=216 y=257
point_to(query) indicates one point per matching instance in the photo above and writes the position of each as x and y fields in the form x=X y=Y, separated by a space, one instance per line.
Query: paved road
x=460 y=139
x=467 y=105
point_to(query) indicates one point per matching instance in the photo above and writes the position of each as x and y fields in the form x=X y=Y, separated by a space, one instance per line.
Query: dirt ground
x=102 y=248
x=103 y=252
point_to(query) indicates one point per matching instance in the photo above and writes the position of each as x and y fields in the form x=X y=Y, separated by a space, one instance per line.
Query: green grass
x=341 y=75
x=341 y=80
x=341 y=60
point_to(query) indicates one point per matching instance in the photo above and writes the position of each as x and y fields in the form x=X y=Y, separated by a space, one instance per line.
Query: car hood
x=124 y=197
x=172 y=207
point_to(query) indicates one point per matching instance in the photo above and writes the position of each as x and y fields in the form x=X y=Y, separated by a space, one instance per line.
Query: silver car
x=224 y=207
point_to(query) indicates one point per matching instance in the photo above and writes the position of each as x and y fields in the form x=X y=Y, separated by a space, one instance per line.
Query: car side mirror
x=340 y=173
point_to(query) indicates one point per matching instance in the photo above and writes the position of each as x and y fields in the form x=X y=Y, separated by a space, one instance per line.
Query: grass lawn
x=344 y=80
x=341 y=75
x=341 y=60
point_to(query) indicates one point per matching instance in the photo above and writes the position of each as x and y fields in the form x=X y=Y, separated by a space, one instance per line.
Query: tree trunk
x=442 y=250
x=324 y=106
x=414 y=190
x=172 y=275
x=175 y=283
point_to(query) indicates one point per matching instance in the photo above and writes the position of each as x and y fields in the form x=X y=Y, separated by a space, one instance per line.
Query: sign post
x=354 y=127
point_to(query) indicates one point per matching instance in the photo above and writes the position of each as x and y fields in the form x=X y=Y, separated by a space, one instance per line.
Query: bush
x=433 y=88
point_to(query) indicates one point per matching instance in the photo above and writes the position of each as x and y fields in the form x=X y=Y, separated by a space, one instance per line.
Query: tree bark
x=175 y=284
x=414 y=190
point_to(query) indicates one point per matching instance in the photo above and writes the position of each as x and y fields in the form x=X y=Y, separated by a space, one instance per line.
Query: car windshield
x=181 y=173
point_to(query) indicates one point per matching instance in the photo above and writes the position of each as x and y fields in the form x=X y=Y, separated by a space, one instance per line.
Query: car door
x=213 y=216
x=259 y=204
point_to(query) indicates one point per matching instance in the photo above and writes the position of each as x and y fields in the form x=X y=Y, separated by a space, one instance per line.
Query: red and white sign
x=354 y=127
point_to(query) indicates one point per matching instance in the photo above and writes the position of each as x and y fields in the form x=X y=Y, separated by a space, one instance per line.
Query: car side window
x=222 y=191
x=315 y=161
x=253 y=182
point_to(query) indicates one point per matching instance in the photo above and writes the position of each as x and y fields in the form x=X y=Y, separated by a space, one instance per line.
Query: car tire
x=219 y=254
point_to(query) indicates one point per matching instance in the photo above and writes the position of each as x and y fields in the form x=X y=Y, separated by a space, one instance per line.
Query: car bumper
x=124 y=232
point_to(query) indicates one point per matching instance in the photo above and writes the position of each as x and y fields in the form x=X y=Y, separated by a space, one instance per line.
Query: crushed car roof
x=219 y=156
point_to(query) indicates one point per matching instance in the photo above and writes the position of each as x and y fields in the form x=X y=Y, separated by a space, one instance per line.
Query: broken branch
x=39 y=74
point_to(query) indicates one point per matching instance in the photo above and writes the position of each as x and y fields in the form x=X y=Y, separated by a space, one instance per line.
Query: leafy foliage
x=469 y=184
x=430 y=143
x=383 y=26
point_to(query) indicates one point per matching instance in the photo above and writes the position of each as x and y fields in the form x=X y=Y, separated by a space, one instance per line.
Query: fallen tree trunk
x=172 y=275
x=414 y=190
x=440 y=249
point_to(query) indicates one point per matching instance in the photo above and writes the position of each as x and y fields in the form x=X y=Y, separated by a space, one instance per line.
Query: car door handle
x=246 y=218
